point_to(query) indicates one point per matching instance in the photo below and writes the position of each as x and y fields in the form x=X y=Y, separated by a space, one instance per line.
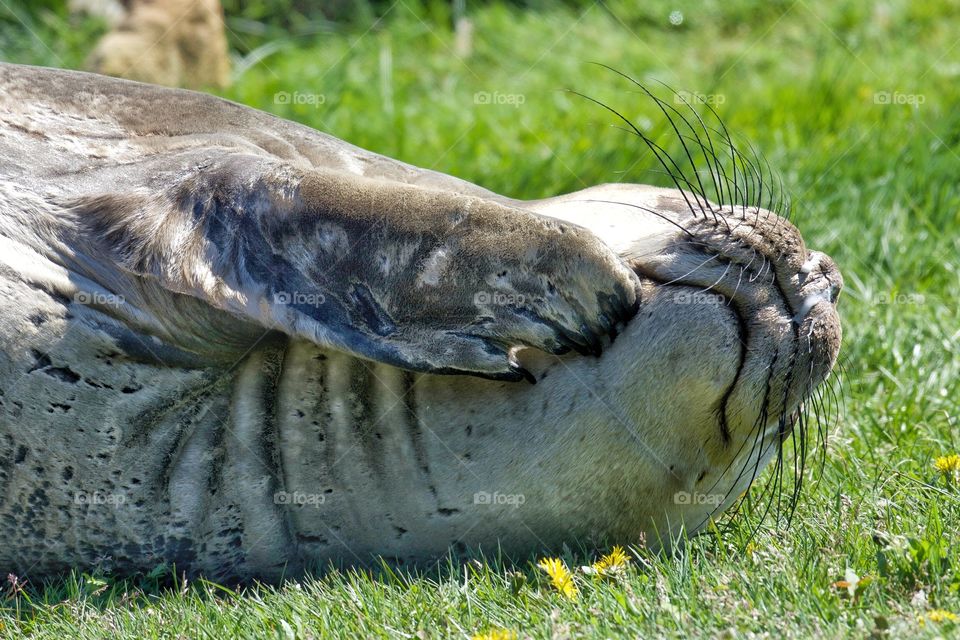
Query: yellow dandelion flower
x=948 y=465
x=560 y=577
x=609 y=565
x=939 y=615
x=496 y=634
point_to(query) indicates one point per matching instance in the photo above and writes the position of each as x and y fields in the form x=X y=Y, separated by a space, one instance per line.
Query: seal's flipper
x=420 y=278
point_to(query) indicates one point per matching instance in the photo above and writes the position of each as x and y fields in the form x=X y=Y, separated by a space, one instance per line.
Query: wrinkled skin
x=222 y=337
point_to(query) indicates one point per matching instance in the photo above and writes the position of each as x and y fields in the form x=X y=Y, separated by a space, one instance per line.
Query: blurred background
x=854 y=104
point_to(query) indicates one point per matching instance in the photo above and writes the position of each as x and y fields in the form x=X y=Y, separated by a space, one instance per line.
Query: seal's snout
x=819 y=284
x=818 y=280
x=821 y=266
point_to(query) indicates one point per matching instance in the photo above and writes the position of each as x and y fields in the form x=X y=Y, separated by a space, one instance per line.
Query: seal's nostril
x=819 y=265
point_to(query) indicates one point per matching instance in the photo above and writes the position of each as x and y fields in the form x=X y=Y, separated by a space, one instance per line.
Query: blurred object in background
x=462 y=29
x=178 y=43
x=111 y=11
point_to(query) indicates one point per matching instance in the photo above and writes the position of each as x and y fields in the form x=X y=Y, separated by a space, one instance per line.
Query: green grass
x=874 y=185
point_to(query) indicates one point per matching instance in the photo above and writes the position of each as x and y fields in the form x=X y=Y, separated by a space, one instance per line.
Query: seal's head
x=737 y=328
x=736 y=331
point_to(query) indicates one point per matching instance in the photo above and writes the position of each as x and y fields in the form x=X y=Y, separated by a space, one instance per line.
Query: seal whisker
x=759 y=433
x=747 y=171
x=661 y=105
x=645 y=209
x=712 y=151
x=721 y=176
x=719 y=279
x=691 y=272
x=757 y=170
x=657 y=150
x=726 y=136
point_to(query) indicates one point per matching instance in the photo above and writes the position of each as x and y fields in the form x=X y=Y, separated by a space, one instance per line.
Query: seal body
x=224 y=341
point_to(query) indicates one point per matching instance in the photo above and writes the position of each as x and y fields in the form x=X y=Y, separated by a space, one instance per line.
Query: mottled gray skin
x=220 y=334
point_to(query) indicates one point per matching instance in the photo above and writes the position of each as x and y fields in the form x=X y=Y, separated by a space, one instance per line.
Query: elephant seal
x=224 y=340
